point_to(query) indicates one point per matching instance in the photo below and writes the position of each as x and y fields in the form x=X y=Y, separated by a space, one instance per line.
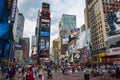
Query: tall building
x=43 y=35
x=20 y=27
x=98 y=11
x=68 y=23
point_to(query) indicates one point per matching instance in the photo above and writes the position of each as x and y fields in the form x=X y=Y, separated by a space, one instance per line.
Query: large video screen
x=44 y=34
x=114 y=23
x=45 y=26
x=44 y=43
x=113 y=45
x=44 y=47
x=75 y=32
x=113 y=42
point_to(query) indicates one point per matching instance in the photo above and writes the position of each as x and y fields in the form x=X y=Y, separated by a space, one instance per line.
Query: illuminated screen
x=44 y=34
x=114 y=23
x=45 y=26
x=44 y=44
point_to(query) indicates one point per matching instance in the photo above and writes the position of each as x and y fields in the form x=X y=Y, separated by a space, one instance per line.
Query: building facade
x=97 y=20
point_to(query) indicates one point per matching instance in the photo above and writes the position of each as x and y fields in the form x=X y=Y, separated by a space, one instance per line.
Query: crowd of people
x=30 y=72
x=104 y=71
x=36 y=72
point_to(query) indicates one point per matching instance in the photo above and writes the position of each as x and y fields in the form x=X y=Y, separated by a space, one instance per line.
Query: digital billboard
x=44 y=47
x=45 y=6
x=45 y=26
x=14 y=7
x=113 y=45
x=76 y=56
x=44 y=34
x=44 y=43
x=45 y=14
x=63 y=33
x=114 y=23
x=75 y=32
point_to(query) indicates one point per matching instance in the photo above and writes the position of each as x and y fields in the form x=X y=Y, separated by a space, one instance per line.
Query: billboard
x=113 y=45
x=75 y=32
x=45 y=14
x=45 y=6
x=18 y=47
x=63 y=33
x=114 y=23
x=13 y=12
x=44 y=34
x=45 y=26
x=76 y=56
x=44 y=43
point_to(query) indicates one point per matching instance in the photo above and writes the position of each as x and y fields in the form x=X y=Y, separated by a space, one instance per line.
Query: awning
x=4 y=30
x=1 y=5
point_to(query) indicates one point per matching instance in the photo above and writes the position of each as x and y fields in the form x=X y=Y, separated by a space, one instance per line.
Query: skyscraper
x=43 y=23
x=68 y=23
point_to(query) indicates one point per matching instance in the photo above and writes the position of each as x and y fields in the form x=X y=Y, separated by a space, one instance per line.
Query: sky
x=30 y=8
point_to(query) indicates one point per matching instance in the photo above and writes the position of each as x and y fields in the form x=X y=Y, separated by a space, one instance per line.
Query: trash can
x=86 y=76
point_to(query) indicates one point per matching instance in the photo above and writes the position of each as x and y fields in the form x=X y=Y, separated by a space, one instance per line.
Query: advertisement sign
x=45 y=20
x=44 y=47
x=76 y=56
x=45 y=26
x=114 y=23
x=45 y=14
x=113 y=45
x=44 y=43
x=113 y=42
x=45 y=6
x=75 y=32
x=113 y=51
x=18 y=47
x=44 y=34
x=63 y=33
x=14 y=6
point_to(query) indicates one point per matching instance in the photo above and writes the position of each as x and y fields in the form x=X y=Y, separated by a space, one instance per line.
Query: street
x=70 y=76
x=76 y=76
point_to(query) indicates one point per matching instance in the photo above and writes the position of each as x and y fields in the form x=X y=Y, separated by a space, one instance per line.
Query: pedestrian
x=30 y=75
x=41 y=74
x=73 y=70
x=49 y=72
x=11 y=72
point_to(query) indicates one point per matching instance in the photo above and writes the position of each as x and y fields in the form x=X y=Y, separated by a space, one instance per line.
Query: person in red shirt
x=30 y=75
